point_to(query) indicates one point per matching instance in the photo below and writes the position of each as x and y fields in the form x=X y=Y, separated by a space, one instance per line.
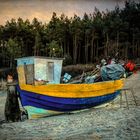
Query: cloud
x=43 y=9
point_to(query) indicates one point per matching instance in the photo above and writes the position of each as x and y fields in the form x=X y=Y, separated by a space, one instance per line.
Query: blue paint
x=25 y=61
x=62 y=104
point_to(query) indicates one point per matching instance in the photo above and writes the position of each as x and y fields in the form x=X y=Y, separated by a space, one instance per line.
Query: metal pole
x=133 y=94
x=121 y=99
x=126 y=100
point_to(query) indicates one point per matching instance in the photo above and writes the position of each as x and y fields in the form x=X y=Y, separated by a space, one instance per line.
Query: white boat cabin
x=36 y=70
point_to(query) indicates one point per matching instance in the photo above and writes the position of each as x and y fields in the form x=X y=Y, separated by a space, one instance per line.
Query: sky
x=43 y=9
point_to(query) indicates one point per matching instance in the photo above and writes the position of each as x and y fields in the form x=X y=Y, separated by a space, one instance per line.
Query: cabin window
x=50 y=71
x=29 y=74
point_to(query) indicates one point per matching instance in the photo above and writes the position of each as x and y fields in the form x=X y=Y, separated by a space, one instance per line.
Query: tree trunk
x=92 y=50
x=79 y=54
x=68 y=48
x=117 y=43
x=35 y=50
x=126 y=51
x=97 y=49
x=106 y=46
x=11 y=62
x=86 y=49
x=75 y=50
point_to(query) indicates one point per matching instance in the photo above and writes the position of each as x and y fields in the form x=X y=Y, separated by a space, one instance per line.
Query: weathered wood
x=29 y=73
x=21 y=75
x=12 y=110
x=12 y=84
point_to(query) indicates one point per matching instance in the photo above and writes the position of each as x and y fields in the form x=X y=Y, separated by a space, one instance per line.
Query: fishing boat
x=42 y=94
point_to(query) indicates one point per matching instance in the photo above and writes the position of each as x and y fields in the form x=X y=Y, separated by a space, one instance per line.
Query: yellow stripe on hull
x=75 y=90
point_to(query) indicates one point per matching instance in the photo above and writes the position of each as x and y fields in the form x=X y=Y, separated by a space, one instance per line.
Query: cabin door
x=29 y=74
x=50 y=71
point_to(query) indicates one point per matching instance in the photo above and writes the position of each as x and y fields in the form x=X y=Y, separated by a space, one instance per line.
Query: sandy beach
x=118 y=120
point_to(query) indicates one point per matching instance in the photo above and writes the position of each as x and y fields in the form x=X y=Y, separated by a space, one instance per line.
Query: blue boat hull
x=62 y=104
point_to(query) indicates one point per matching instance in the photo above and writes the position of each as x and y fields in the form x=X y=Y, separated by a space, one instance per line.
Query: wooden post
x=12 y=110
